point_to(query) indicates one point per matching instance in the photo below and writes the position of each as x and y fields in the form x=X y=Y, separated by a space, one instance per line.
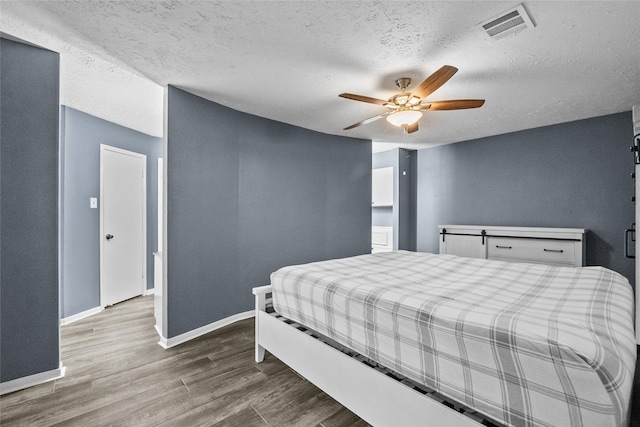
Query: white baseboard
x=81 y=315
x=31 y=380
x=195 y=333
x=149 y=292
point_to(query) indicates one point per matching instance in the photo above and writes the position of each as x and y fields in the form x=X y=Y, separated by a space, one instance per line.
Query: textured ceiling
x=288 y=61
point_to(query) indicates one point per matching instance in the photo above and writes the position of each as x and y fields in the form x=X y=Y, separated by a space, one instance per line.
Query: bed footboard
x=370 y=394
x=261 y=304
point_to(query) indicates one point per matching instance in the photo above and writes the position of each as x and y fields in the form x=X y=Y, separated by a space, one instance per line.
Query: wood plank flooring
x=117 y=375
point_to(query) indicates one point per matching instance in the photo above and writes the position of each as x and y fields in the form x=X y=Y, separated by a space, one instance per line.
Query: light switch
x=93 y=202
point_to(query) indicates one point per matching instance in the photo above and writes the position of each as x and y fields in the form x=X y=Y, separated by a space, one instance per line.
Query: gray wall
x=247 y=195
x=573 y=174
x=402 y=216
x=81 y=136
x=29 y=114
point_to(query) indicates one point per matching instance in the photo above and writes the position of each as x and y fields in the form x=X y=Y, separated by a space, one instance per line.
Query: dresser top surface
x=493 y=228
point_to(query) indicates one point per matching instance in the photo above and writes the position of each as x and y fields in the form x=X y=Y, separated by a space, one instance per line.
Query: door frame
x=103 y=148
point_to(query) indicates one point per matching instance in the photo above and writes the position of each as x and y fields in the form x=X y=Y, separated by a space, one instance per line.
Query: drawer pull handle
x=503 y=247
x=554 y=250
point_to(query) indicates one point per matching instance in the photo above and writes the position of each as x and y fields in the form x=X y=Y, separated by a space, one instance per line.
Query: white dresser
x=557 y=246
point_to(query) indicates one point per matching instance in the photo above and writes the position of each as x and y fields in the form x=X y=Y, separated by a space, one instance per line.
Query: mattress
x=524 y=344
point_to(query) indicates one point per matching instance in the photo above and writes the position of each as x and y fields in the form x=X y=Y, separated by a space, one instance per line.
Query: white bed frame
x=370 y=394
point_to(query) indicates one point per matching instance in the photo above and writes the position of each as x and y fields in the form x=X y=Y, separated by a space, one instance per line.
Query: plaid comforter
x=524 y=344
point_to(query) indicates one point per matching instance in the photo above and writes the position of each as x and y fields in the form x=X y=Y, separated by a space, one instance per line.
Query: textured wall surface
x=91 y=80
x=574 y=174
x=288 y=60
x=247 y=195
x=81 y=136
x=29 y=210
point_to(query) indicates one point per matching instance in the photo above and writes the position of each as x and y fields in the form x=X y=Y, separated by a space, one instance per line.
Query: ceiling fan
x=405 y=109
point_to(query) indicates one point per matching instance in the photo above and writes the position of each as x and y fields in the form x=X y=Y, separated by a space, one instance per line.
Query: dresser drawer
x=560 y=252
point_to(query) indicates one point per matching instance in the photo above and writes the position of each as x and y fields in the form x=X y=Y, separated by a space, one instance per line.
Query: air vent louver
x=507 y=23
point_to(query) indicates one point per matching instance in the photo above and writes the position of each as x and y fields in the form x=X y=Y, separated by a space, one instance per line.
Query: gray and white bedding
x=524 y=344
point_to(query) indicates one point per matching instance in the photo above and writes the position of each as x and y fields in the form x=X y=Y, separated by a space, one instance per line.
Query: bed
x=510 y=343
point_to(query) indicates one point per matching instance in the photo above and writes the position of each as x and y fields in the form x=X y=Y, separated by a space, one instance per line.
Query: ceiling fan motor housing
x=403 y=82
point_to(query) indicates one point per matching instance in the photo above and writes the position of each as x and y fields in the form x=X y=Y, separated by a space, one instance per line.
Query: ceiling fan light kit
x=402 y=99
x=405 y=109
x=406 y=117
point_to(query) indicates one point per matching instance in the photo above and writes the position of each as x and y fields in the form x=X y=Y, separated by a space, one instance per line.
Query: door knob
x=109 y=236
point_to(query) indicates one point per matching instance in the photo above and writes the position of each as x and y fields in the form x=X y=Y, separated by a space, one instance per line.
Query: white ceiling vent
x=506 y=24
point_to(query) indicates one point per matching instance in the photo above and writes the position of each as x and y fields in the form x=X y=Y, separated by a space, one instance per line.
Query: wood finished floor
x=117 y=375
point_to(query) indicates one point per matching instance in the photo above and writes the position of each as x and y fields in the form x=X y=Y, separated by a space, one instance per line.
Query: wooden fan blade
x=456 y=104
x=412 y=128
x=434 y=81
x=369 y=120
x=362 y=98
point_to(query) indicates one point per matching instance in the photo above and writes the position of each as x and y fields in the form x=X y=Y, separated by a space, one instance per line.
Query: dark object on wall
x=629 y=237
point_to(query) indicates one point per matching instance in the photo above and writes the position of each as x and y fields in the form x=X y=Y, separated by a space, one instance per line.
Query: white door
x=122 y=225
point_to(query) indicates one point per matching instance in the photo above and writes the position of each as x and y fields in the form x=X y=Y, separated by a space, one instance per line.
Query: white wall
x=96 y=84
